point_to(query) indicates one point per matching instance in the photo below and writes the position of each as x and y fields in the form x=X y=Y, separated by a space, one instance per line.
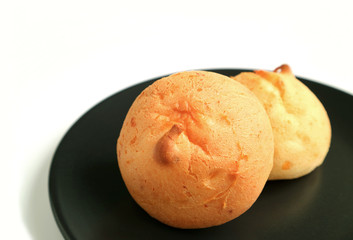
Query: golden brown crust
x=166 y=150
x=301 y=127
x=284 y=69
x=196 y=149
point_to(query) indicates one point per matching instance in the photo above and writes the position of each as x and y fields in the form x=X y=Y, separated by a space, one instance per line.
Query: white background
x=59 y=58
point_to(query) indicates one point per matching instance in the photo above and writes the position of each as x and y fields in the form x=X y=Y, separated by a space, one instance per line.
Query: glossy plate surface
x=90 y=200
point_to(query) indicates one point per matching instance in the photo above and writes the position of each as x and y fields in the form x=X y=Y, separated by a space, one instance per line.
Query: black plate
x=90 y=200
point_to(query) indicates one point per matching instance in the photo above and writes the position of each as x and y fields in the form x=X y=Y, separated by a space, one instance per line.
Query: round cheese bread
x=196 y=149
x=301 y=127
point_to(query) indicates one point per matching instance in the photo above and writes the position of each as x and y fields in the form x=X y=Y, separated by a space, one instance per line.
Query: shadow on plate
x=35 y=205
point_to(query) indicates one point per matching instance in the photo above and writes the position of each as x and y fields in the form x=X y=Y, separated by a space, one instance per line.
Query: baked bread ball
x=196 y=149
x=301 y=127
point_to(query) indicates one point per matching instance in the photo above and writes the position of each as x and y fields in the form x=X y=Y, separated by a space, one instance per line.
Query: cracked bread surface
x=196 y=149
x=301 y=127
